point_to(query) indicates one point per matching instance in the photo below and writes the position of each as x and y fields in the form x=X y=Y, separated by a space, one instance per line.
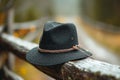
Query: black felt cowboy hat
x=58 y=44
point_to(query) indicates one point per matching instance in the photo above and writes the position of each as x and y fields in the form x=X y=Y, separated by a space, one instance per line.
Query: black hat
x=57 y=45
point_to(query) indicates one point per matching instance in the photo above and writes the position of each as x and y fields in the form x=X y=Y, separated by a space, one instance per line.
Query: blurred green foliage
x=107 y=11
x=27 y=10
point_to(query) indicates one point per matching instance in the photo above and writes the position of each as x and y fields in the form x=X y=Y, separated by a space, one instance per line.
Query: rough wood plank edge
x=87 y=69
x=90 y=69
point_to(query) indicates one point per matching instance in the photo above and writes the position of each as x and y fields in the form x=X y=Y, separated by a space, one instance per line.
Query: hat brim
x=47 y=59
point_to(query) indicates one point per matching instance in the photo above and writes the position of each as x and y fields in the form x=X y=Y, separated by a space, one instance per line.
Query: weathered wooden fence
x=86 y=69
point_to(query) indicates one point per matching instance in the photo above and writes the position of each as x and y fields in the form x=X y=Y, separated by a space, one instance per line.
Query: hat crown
x=56 y=39
x=58 y=36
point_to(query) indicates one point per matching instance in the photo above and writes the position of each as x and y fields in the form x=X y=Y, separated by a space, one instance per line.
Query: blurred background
x=97 y=23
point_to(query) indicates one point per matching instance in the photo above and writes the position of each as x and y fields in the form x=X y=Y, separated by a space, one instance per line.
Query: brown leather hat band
x=76 y=47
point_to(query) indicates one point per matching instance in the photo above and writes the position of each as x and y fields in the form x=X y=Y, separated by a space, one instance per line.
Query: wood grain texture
x=86 y=69
x=90 y=69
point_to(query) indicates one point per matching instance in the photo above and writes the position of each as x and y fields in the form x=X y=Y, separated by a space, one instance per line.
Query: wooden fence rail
x=86 y=69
